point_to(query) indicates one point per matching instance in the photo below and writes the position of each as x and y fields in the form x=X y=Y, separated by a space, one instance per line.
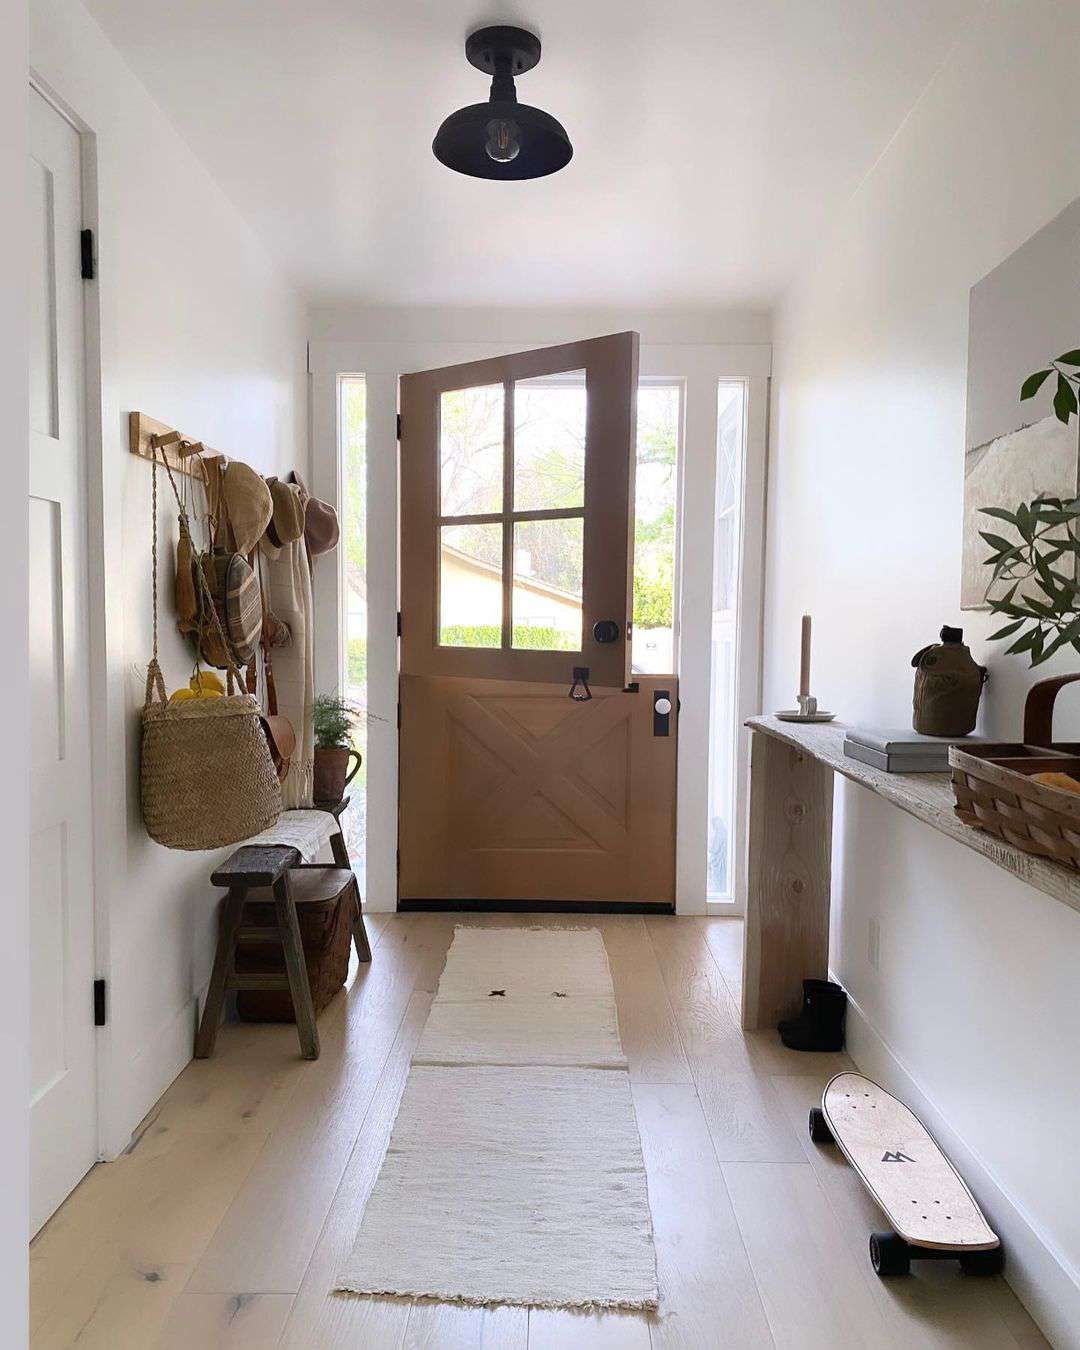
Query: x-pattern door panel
x=551 y=765
x=528 y=795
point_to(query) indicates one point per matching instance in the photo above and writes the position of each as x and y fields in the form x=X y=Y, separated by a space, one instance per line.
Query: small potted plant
x=335 y=719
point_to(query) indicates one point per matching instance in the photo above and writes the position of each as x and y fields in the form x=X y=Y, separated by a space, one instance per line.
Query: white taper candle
x=804 y=666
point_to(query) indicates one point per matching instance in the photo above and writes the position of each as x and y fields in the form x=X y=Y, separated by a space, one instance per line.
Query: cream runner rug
x=514 y=1172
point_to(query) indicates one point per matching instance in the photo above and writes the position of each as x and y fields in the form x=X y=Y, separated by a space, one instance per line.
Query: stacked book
x=900 y=750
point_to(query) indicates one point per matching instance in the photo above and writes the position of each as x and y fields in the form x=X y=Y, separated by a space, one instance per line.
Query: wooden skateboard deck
x=921 y=1193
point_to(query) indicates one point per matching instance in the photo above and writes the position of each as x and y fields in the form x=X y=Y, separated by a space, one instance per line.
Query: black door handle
x=605 y=630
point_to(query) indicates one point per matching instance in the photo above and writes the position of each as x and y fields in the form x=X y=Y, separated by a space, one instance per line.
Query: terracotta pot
x=331 y=773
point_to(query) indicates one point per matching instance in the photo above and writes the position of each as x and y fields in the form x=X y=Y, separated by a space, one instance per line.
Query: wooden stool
x=247 y=868
x=268 y=865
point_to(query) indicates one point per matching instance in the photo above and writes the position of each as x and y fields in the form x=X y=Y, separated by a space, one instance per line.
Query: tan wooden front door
x=517 y=529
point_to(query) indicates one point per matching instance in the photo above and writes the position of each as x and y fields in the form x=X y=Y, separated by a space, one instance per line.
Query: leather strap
x=280 y=732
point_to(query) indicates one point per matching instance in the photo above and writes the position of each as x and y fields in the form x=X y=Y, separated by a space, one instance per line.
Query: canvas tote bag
x=207 y=779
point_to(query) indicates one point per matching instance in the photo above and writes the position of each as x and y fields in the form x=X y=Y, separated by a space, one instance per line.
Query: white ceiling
x=713 y=139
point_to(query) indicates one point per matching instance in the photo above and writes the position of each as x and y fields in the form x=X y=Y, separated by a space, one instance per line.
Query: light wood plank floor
x=225 y=1222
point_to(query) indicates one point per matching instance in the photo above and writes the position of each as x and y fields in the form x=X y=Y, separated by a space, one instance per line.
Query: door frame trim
x=700 y=366
x=101 y=614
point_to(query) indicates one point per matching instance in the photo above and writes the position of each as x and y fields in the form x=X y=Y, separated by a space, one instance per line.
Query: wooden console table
x=786 y=936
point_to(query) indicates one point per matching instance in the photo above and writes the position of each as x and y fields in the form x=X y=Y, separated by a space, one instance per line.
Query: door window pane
x=549 y=442
x=471 y=451
x=658 y=423
x=547 y=584
x=470 y=586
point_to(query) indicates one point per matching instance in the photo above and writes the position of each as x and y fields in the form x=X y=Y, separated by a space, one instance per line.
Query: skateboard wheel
x=819 y=1128
x=889 y=1254
x=983 y=1263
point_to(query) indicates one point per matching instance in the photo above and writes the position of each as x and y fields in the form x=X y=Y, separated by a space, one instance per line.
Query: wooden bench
x=268 y=866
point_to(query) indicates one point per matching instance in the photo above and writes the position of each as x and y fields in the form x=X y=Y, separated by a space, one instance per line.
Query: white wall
x=14 y=588
x=974 y=1008
x=199 y=330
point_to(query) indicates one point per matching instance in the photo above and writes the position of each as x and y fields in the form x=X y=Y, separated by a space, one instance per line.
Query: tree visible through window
x=658 y=420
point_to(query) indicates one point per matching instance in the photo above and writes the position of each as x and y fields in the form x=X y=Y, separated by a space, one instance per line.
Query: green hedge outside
x=490 y=635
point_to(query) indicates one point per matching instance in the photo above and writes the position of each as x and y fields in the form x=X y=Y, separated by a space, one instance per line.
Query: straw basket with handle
x=995 y=792
x=207 y=777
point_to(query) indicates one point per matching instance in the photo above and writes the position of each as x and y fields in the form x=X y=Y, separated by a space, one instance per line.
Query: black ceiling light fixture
x=502 y=138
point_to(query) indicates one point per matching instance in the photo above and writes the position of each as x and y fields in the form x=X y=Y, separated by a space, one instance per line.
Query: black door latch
x=579 y=690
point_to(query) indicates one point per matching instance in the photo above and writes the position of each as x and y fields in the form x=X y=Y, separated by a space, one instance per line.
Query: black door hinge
x=399 y=714
x=399 y=623
x=399 y=426
x=86 y=254
x=399 y=860
x=99 y=1003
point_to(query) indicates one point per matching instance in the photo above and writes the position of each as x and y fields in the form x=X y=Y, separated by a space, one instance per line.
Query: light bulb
x=503 y=140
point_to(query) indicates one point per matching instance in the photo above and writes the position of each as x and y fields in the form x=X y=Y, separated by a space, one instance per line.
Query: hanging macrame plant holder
x=207 y=777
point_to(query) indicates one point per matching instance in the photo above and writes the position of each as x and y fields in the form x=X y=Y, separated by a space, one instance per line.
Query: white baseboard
x=1038 y=1273
x=137 y=1086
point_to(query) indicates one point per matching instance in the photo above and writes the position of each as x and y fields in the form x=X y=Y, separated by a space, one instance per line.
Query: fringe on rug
x=475 y=1301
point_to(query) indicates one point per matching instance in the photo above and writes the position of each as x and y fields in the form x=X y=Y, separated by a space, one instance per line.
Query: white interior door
x=62 y=1086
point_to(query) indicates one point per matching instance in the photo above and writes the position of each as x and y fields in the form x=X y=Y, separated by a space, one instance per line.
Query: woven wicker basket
x=207 y=776
x=994 y=791
x=326 y=935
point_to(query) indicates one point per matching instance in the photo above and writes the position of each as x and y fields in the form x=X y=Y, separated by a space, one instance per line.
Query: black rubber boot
x=820 y=1025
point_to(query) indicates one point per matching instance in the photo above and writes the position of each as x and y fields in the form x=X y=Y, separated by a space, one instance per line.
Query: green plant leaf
x=1067 y=635
x=1064 y=400
x=1022 y=644
x=1070 y=358
x=1046 y=577
x=1033 y=384
x=1007 y=631
x=998 y=513
x=996 y=541
x=1036 y=607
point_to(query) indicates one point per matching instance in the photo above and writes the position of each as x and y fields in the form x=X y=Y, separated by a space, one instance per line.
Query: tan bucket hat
x=287 y=522
x=248 y=504
x=321 y=528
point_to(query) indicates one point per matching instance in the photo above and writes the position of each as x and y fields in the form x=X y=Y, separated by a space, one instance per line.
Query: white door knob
x=662 y=706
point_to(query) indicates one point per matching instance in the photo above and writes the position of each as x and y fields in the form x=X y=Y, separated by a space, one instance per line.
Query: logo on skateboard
x=895 y=1157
